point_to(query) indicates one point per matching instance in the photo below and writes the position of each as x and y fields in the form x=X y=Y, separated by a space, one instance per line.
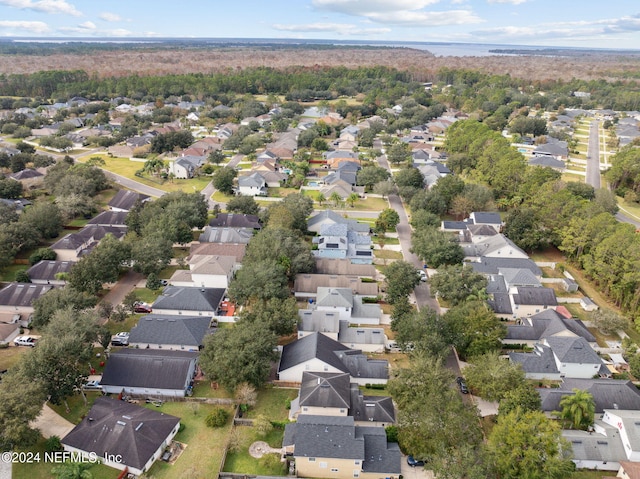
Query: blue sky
x=576 y=23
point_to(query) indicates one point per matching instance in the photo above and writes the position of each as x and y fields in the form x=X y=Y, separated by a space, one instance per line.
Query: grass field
x=11 y=356
x=202 y=456
x=77 y=408
x=386 y=254
x=128 y=168
x=272 y=403
x=9 y=273
x=241 y=462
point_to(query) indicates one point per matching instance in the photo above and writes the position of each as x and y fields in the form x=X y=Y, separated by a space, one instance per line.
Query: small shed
x=569 y=285
x=588 y=305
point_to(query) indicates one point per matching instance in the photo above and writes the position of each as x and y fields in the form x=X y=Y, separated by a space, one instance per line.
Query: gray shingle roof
x=189 y=299
x=148 y=368
x=325 y=437
x=334 y=297
x=484 y=217
x=333 y=353
x=235 y=220
x=540 y=361
x=226 y=235
x=535 y=296
x=46 y=270
x=488 y=265
x=329 y=215
x=156 y=329
x=500 y=304
x=254 y=180
x=607 y=394
x=518 y=277
x=574 y=350
x=319 y=389
x=22 y=294
x=596 y=447
x=125 y=199
x=371 y=408
x=319 y=321
x=309 y=283
x=546 y=324
x=348 y=335
x=109 y=218
x=381 y=457
x=134 y=433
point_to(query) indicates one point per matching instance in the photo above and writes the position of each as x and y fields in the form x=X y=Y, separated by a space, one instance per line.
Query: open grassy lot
x=203 y=455
x=126 y=325
x=281 y=192
x=221 y=197
x=42 y=469
x=204 y=389
x=272 y=403
x=240 y=461
x=10 y=356
x=586 y=474
x=386 y=254
x=9 y=273
x=128 y=168
x=77 y=407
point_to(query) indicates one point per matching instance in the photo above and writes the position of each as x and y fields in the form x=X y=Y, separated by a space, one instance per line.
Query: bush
x=42 y=254
x=22 y=277
x=392 y=433
x=53 y=444
x=217 y=418
x=376 y=386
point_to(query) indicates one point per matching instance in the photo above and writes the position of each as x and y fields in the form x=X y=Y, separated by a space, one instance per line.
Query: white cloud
x=34 y=27
x=424 y=19
x=110 y=17
x=365 y=7
x=576 y=30
x=337 y=28
x=46 y=6
x=512 y=2
x=410 y=13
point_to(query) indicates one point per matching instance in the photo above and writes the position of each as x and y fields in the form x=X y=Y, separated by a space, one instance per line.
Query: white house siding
x=294 y=373
x=364 y=381
x=210 y=280
x=169 y=347
x=367 y=348
x=581 y=371
x=324 y=411
x=343 y=313
x=302 y=334
x=524 y=310
x=597 y=465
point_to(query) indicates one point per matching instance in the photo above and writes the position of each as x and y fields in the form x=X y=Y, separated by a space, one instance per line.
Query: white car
x=25 y=341
x=423 y=275
x=120 y=339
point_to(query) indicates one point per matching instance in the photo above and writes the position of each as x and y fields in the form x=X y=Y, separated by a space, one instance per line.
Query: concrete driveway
x=51 y=423
x=409 y=472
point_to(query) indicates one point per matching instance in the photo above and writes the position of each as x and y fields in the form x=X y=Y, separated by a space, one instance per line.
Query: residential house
x=110 y=218
x=235 y=220
x=149 y=372
x=533 y=329
x=557 y=357
x=487 y=218
x=527 y=301
x=18 y=298
x=334 y=158
x=226 y=235
x=73 y=246
x=498 y=246
x=432 y=171
x=553 y=149
x=344 y=267
x=9 y=331
x=491 y=265
x=221 y=249
x=547 y=161
x=179 y=333
x=339 y=187
x=206 y=271
x=29 y=178
x=320 y=353
x=338 y=242
x=122 y=435
x=189 y=301
x=252 y=185
x=329 y=217
x=333 y=446
x=348 y=307
x=333 y=394
x=50 y=272
x=606 y=393
x=306 y=285
x=125 y=200
x=186 y=167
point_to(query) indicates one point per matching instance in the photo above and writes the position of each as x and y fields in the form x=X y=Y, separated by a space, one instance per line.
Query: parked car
x=25 y=341
x=413 y=462
x=92 y=386
x=164 y=282
x=140 y=307
x=462 y=385
x=120 y=339
x=423 y=275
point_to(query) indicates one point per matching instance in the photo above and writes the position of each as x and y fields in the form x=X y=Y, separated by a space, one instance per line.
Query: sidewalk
x=51 y=423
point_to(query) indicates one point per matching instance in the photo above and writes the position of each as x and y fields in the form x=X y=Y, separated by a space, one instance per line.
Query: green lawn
x=386 y=254
x=42 y=469
x=147 y=295
x=629 y=208
x=272 y=403
x=9 y=272
x=586 y=474
x=125 y=325
x=10 y=356
x=221 y=197
x=281 y=192
x=242 y=462
x=203 y=455
x=128 y=168
x=77 y=408
x=203 y=389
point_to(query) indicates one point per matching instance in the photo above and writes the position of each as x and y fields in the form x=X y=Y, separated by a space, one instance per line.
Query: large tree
x=432 y=418
x=60 y=298
x=245 y=205
x=370 y=175
x=436 y=248
x=399 y=153
x=409 y=177
x=223 y=179
x=492 y=378
x=478 y=329
x=241 y=354
x=424 y=332
x=150 y=254
x=280 y=316
x=21 y=402
x=458 y=283
x=262 y=280
x=528 y=444
x=400 y=279
x=286 y=247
